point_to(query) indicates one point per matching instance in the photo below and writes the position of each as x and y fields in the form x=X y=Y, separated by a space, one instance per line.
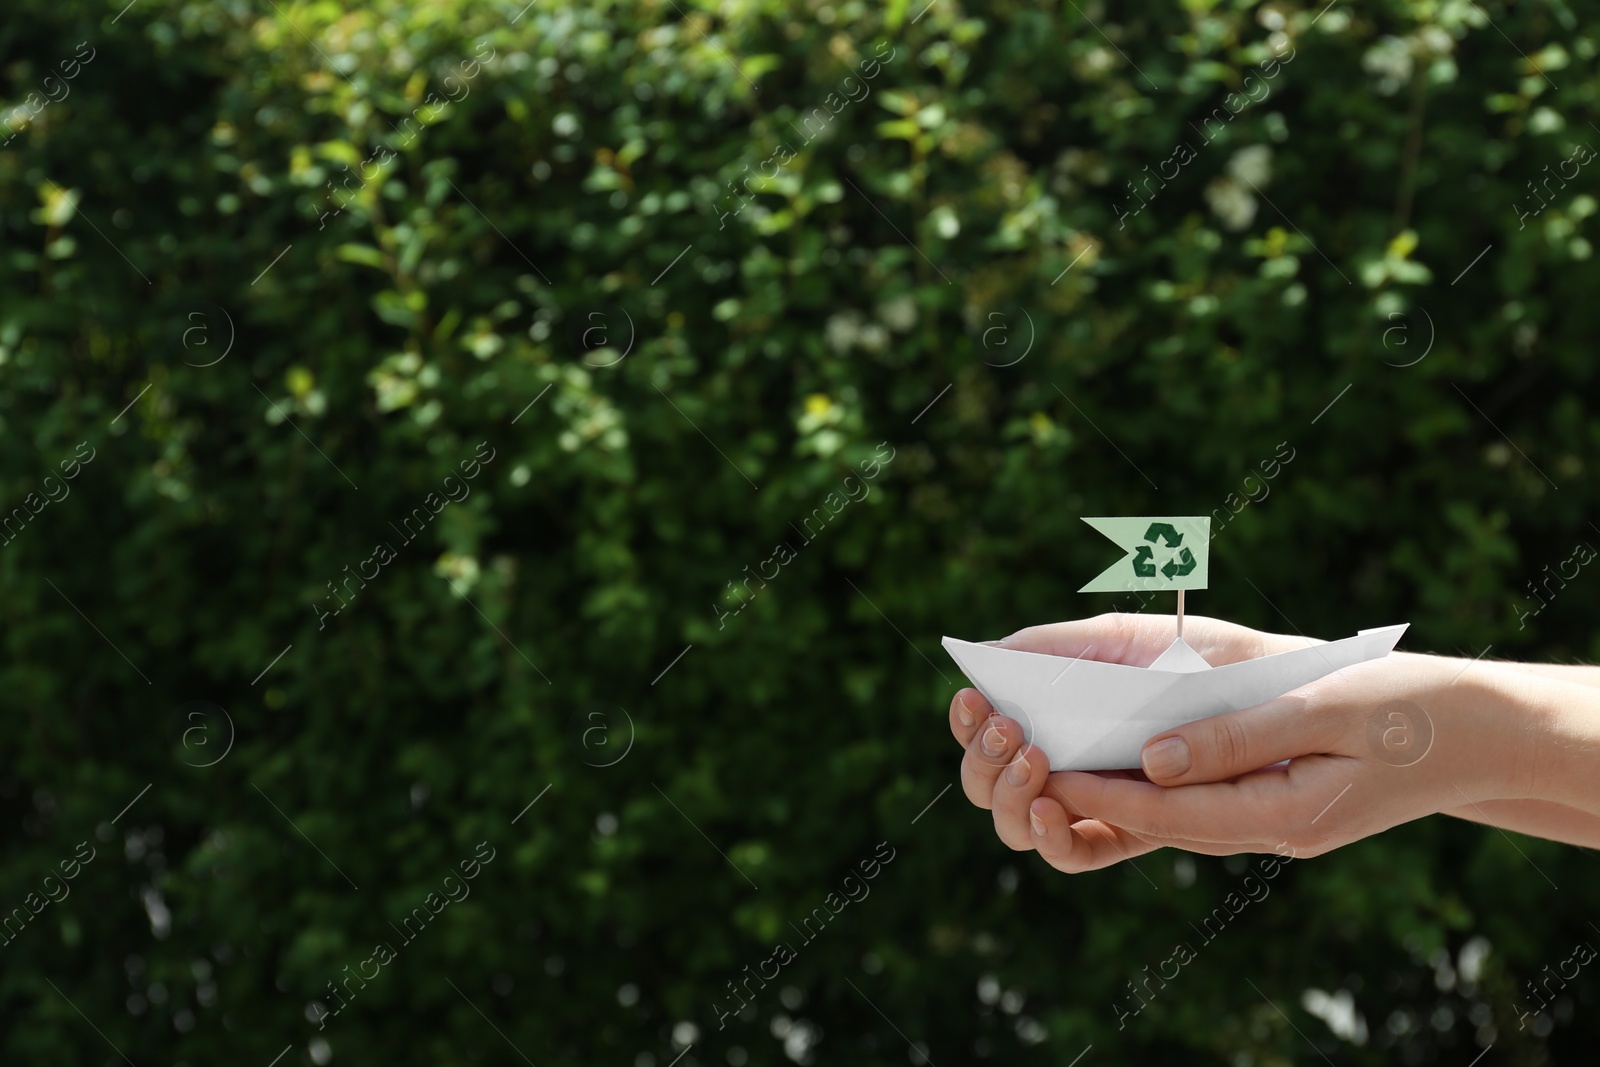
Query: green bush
x=668 y=280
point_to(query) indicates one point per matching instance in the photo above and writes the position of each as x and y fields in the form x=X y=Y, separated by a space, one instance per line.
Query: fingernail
x=1167 y=759
x=1017 y=773
x=994 y=742
x=965 y=714
x=1038 y=823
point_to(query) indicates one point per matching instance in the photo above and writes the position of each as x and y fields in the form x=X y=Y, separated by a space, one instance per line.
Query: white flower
x=1390 y=61
x=1436 y=40
x=842 y=330
x=899 y=314
x=1232 y=202
x=873 y=338
x=1252 y=164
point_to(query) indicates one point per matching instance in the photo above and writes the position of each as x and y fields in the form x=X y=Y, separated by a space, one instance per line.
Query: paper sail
x=1091 y=716
x=1163 y=553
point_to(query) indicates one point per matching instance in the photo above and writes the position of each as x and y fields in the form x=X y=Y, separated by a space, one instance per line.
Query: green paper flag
x=1163 y=553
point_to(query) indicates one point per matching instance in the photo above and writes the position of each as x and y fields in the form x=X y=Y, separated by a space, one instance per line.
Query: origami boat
x=1092 y=716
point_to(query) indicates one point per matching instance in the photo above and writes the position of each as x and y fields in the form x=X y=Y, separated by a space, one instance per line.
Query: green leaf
x=364 y=254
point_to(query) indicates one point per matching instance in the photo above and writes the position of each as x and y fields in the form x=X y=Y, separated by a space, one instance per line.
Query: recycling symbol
x=1176 y=566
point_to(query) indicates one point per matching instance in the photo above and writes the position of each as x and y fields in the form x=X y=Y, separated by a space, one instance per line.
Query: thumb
x=1238 y=742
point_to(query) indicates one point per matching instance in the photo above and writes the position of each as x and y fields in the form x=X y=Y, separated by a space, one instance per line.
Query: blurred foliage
x=427 y=232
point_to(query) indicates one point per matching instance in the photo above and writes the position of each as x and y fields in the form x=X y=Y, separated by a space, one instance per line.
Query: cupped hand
x=1003 y=773
x=1368 y=747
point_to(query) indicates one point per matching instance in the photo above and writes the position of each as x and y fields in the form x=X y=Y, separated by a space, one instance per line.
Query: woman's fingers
x=1113 y=638
x=1226 y=746
x=1017 y=786
x=1143 y=842
x=1120 y=637
x=1256 y=811
x=995 y=743
x=968 y=709
x=1024 y=820
x=1029 y=813
x=1077 y=846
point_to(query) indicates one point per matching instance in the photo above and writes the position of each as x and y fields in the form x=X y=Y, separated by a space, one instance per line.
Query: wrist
x=1540 y=736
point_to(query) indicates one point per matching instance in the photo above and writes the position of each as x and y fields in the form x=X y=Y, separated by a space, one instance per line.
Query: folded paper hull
x=1092 y=716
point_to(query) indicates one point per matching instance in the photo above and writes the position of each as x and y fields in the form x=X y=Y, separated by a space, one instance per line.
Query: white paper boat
x=1092 y=716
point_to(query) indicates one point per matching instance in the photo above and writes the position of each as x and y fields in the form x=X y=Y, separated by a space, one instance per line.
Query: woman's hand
x=1003 y=773
x=1370 y=746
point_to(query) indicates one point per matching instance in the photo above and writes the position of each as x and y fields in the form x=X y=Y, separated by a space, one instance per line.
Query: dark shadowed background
x=404 y=405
